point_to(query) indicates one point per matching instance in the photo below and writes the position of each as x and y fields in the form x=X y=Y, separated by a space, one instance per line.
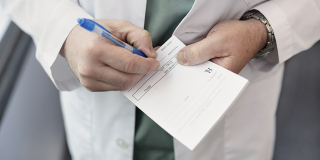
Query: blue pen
x=97 y=28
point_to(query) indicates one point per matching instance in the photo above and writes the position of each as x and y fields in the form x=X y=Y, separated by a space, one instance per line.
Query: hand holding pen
x=93 y=26
x=101 y=64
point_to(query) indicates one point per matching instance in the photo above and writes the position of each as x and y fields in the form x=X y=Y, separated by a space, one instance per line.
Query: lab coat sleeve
x=49 y=23
x=296 y=26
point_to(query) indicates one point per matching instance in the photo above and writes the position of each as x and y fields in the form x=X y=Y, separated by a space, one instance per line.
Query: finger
x=94 y=85
x=125 y=61
x=134 y=35
x=156 y=48
x=197 y=53
x=230 y=63
x=109 y=75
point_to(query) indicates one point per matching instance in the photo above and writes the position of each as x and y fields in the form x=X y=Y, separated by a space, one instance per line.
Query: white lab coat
x=101 y=125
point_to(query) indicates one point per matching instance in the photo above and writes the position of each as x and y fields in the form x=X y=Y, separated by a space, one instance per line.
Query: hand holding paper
x=186 y=101
x=230 y=44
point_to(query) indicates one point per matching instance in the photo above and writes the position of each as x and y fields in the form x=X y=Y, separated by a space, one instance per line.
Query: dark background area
x=298 y=113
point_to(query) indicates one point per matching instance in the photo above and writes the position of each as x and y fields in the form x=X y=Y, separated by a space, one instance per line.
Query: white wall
x=4 y=23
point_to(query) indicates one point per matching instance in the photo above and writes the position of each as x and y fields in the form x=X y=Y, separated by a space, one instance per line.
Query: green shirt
x=162 y=17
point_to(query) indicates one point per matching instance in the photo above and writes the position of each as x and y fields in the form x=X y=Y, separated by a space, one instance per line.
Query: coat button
x=121 y=143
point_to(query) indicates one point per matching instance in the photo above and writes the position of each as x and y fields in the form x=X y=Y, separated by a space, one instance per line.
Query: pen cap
x=89 y=25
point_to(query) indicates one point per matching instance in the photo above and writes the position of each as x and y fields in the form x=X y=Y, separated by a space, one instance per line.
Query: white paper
x=186 y=101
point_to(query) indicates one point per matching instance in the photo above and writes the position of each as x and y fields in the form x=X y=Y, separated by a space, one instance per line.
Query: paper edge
x=243 y=89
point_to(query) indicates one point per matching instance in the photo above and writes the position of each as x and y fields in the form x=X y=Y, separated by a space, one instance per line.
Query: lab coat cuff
x=57 y=29
x=282 y=31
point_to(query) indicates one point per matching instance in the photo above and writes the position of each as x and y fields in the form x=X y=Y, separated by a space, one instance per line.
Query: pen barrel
x=138 y=52
x=126 y=46
x=123 y=44
x=100 y=30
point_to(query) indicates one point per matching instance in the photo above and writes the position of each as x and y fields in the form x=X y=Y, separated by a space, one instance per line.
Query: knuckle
x=131 y=66
x=194 y=55
x=90 y=48
x=144 y=36
x=127 y=22
x=89 y=85
x=145 y=33
x=86 y=70
x=124 y=22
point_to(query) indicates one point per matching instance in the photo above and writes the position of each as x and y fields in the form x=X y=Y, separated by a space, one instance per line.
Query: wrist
x=258 y=33
x=271 y=41
x=69 y=41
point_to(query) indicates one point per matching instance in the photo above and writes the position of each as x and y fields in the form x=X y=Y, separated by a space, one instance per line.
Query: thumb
x=134 y=35
x=196 y=53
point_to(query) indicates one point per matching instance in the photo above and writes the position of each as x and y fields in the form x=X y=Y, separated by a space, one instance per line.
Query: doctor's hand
x=100 y=65
x=230 y=44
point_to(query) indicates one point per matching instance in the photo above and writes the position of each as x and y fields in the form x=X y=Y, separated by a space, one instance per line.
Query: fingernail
x=181 y=57
x=153 y=52
x=157 y=68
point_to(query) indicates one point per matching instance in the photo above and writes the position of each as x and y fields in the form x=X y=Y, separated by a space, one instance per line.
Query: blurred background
x=31 y=123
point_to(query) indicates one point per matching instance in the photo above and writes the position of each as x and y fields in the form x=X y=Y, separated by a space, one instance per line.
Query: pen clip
x=99 y=25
